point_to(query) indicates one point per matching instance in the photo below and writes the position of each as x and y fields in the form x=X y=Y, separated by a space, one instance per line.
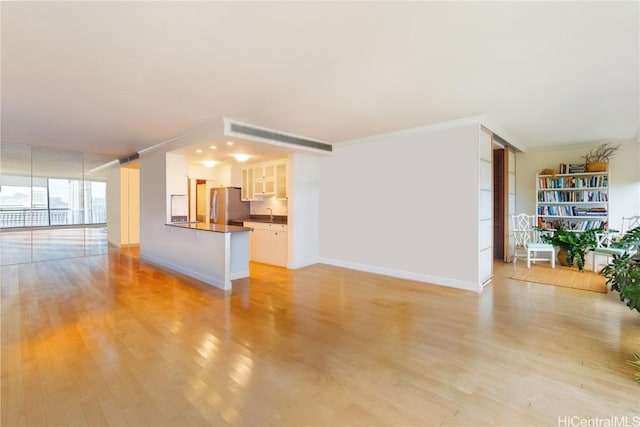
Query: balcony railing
x=17 y=218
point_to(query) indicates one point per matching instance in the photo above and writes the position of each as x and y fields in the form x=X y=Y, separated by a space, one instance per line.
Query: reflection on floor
x=42 y=244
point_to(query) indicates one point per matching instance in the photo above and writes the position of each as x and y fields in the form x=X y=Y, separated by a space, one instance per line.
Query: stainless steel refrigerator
x=226 y=205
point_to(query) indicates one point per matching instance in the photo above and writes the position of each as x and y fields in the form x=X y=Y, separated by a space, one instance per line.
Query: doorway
x=504 y=198
x=498 y=203
x=201 y=201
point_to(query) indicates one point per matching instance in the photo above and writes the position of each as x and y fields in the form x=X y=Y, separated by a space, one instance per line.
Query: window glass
x=47 y=200
x=96 y=207
x=15 y=203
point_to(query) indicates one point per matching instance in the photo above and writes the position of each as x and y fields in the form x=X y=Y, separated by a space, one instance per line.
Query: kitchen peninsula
x=215 y=254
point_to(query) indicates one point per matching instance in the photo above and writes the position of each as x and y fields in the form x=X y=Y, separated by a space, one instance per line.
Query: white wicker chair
x=527 y=241
x=606 y=239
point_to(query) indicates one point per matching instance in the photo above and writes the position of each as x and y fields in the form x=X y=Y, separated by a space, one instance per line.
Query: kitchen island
x=215 y=254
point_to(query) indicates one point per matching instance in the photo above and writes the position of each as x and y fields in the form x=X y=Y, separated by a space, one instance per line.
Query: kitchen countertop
x=277 y=219
x=202 y=226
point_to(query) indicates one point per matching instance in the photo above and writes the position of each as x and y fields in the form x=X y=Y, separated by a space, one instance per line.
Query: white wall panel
x=486 y=234
x=486 y=264
x=486 y=205
x=399 y=203
x=485 y=215
x=486 y=147
x=486 y=175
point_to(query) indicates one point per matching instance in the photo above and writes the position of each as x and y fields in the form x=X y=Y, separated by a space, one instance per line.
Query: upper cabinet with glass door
x=246 y=193
x=265 y=179
x=281 y=181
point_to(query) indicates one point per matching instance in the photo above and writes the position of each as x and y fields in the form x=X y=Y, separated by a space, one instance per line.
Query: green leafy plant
x=636 y=365
x=630 y=240
x=575 y=243
x=623 y=272
x=601 y=153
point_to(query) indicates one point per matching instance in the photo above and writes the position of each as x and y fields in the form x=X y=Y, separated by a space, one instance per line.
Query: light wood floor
x=109 y=340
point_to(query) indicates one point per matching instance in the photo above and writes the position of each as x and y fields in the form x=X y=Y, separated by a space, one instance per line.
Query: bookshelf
x=579 y=200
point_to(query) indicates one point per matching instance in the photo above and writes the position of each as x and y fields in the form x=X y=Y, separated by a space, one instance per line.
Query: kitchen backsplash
x=260 y=207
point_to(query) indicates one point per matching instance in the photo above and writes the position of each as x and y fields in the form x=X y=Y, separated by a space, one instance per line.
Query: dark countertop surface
x=202 y=226
x=277 y=219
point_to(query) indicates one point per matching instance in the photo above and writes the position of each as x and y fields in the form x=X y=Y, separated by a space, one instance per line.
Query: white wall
x=114 y=210
x=153 y=204
x=201 y=172
x=624 y=178
x=404 y=205
x=176 y=179
x=304 y=204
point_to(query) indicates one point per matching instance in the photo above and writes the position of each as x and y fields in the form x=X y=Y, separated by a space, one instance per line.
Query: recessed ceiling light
x=198 y=151
x=213 y=147
x=229 y=142
x=209 y=163
x=241 y=157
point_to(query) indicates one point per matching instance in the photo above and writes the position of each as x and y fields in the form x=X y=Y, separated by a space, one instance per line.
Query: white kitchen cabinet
x=265 y=179
x=279 y=246
x=264 y=187
x=268 y=243
x=281 y=181
x=261 y=239
x=246 y=193
x=266 y=171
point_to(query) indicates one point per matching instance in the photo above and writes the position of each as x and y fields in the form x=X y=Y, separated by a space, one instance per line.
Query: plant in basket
x=597 y=160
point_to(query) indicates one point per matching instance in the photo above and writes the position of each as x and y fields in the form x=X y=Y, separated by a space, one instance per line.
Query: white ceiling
x=116 y=77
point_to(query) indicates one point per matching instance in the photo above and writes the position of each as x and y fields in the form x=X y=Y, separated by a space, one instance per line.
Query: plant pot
x=596 y=166
x=562 y=257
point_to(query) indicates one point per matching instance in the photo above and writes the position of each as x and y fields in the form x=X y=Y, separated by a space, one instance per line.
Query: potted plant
x=623 y=272
x=597 y=160
x=573 y=245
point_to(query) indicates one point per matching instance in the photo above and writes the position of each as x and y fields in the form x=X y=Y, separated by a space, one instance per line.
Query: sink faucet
x=270 y=214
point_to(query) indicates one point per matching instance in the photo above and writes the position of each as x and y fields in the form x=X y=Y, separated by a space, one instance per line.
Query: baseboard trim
x=401 y=274
x=301 y=264
x=239 y=275
x=180 y=269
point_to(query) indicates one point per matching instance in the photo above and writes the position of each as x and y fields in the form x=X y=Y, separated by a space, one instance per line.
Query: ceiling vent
x=128 y=159
x=243 y=130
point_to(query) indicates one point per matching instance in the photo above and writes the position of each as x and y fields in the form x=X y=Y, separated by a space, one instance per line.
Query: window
x=51 y=202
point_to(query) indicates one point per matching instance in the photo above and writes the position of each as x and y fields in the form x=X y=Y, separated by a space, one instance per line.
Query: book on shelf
x=563 y=168
x=577 y=168
x=577 y=211
x=573 y=225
